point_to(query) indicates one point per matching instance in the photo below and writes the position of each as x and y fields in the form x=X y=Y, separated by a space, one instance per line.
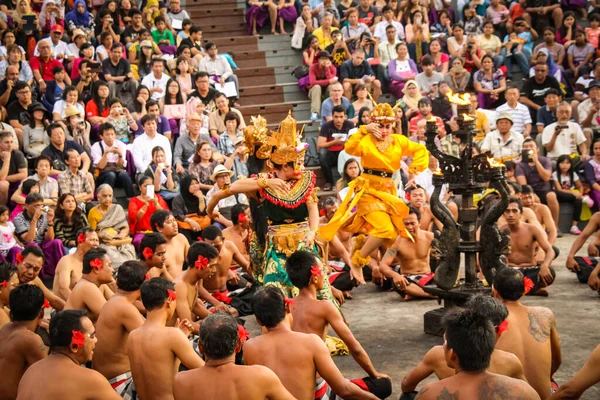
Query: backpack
x=311 y=158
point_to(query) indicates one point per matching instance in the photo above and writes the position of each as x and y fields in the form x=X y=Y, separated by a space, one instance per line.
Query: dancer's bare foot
x=283 y=32
x=275 y=33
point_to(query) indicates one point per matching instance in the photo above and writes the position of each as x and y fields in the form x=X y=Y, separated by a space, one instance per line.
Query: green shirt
x=166 y=35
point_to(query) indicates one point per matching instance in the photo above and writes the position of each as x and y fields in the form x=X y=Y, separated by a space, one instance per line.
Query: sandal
x=327 y=187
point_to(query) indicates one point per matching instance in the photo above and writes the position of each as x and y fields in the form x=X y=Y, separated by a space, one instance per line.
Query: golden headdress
x=383 y=113
x=287 y=143
x=256 y=137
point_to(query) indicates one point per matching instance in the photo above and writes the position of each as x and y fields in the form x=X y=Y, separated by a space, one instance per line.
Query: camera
x=526 y=155
x=46 y=209
x=470 y=46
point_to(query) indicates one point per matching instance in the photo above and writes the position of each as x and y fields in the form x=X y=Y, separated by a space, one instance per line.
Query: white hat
x=220 y=169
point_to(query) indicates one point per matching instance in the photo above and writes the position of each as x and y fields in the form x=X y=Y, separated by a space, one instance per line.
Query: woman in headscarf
x=80 y=18
x=25 y=39
x=51 y=15
x=189 y=208
x=410 y=100
x=150 y=12
x=553 y=69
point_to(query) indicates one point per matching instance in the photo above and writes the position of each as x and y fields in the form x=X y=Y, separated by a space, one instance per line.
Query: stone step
x=265 y=76
x=271 y=94
x=212 y=4
x=274 y=42
x=211 y=20
x=209 y=12
x=275 y=113
x=235 y=43
x=211 y=32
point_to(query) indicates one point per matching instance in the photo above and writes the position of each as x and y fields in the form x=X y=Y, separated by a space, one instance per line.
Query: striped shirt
x=520 y=116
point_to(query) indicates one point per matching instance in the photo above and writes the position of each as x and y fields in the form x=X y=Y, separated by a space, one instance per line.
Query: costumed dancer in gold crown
x=371 y=206
x=283 y=201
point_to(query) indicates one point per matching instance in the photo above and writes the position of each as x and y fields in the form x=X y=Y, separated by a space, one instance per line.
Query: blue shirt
x=327 y=108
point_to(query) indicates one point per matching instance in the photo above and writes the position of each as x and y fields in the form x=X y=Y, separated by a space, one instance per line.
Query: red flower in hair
x=97 y=263
x=78 y=339
x=315 y=270
x=146 y=277
x=46 y=303
x=147 y=253
x=502 y=327
x=200 y=239
x=3 y=284
x=528 y=284
x=242 y=218
x=19 y=257
x=322 y=213
x=290 y=302
x=243 y=334
x=201 y=263
x=81 y=238
x=213 y=310
x=172 y=295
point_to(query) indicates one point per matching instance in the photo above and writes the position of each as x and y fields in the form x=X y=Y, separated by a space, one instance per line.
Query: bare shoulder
x=502 y=387
x=541 y=321
x=432 y=390
x=429 y=235
x=434 y=355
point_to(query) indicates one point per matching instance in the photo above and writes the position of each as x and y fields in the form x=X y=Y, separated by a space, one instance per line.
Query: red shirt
x=415 y=119
x=91 y=110
x=45 y=68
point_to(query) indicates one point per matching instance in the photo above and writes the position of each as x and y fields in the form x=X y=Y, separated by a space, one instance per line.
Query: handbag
x=300 y=71
x=202 y=220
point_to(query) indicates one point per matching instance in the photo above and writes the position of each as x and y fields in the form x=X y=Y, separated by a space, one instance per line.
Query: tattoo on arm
x=493 y=388
x=540 y=324
x=391 y=252
x=446 y=395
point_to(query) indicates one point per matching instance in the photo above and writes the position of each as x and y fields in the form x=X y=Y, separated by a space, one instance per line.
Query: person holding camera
x=109 y=160
x=117 y=72
x=564 y=136
x=357 y=70
x=525 y=36
x=76 y=128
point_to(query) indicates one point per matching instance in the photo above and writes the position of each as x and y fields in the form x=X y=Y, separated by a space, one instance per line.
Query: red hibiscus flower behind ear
x=243 y=334
x=78 y=339
x=147 y=253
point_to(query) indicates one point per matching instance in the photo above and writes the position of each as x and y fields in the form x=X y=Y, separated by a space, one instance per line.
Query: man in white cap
x=222 y=179
x=185 y=147
x=504 y=143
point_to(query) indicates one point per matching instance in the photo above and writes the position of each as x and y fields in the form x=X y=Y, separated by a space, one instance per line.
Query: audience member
x=521 y=118
x=321 y=75
x=331 y=139
x=564 y=136
x=505 y=143
x=357 y=70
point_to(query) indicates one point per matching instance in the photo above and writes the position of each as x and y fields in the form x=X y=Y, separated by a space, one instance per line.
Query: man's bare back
x=533 y=338
x=239 y=240
x=177 y=248
x=118 y=317
x=68 y=273
x=19 y=349
x=478 y=386
x=87 y=296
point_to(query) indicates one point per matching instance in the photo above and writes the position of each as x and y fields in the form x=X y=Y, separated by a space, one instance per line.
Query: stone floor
x=391 y=330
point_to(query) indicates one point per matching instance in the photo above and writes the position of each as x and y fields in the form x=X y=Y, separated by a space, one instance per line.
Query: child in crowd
x=122 y=120
x=568 y=188
x=28 y=186
x=7 y=232
x=593 y=31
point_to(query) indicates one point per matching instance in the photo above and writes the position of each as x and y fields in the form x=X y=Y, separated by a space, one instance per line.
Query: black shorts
x=533 y=273
x=542 y=194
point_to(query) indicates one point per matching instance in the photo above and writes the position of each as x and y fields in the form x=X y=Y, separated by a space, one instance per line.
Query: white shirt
x=520 y=116
x=584 y=109
x=567 y=141
x=507 y=151
x=60 y=48
x=382 y=26
x=142 y=150
x=219 y=66
x=387 y=51
x=151 y=82
x=111 y=157
x=61 y=106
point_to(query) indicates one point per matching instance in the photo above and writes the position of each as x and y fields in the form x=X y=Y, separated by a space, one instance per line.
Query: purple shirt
x=162 y=128
x=532 y=175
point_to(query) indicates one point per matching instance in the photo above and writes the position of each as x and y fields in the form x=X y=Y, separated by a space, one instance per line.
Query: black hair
x=209 y=45
x=7 y=270
x=156 y=149
x=526 y=189
x=35 y=250
x=424 y=101
x=472 y=338
x=268 y=305
x=68 y=90
x=20 y=85
x=60 y=68
x=594 y=17
x=136 y=104
x=426 y=61
x=510 y=165
x=219 y=336
x=509 y=283
x=552 y=91
x=414 y=210
x=517 y=201
x=27 y=185
x=107 y=126
x=131 y=276
x=178 y=97
x=530 y=140
x=562 y=30
x=62 y=325
x=201 y=249
x=154 y=293
x=42 y=157
x=53 y=126
x=194 y=29
x=570 y=172
x=148 y=117
x=236 y=211
x=25 y=303
x=212 y=232
x=77 y=222
x=157 y=220
x=298 y=267
x=158 y=19
x=339 y=109
x=516 y=187
x=96 y=97
x=200 y=74
x=488 y=307
x=232 y=116
x=84 y=231
x=33 y=198
x=152 y=241
x=385 y=9
x=91 y=255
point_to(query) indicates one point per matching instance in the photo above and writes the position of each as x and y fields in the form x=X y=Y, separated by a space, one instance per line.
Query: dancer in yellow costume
x=371 y=205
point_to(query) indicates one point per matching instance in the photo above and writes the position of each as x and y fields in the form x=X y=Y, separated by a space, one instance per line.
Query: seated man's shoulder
x=513 y=388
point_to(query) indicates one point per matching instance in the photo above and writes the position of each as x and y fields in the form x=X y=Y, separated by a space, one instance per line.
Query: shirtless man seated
x=412 y=258
x=215 y=290
x=584 y=271
x=163 y=221
x=295 y=357
x=524 y=238
x=239 y=233
x=315 y=316
x=20 y=346
x=469 y=341
x=8 y=281
x=87 y=295
x=153 y=248
x=118 y=318
x=544 y=217
x=221 y=378
x=69 y=269
x=60 y=375
x=532 y=334
x=29 y=265
x=203 y=261
x=501 y=362
x=585 y=378
x=155 y=350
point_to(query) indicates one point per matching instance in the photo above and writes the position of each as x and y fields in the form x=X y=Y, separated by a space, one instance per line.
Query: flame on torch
x=460 y=99
x=494 y=163
x=433 y=119
x=467 y=118
x=438 y=172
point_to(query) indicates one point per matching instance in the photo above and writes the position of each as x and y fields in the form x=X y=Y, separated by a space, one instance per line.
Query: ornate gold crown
x=257 y=138
x=383 y=113
x=287 y=143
